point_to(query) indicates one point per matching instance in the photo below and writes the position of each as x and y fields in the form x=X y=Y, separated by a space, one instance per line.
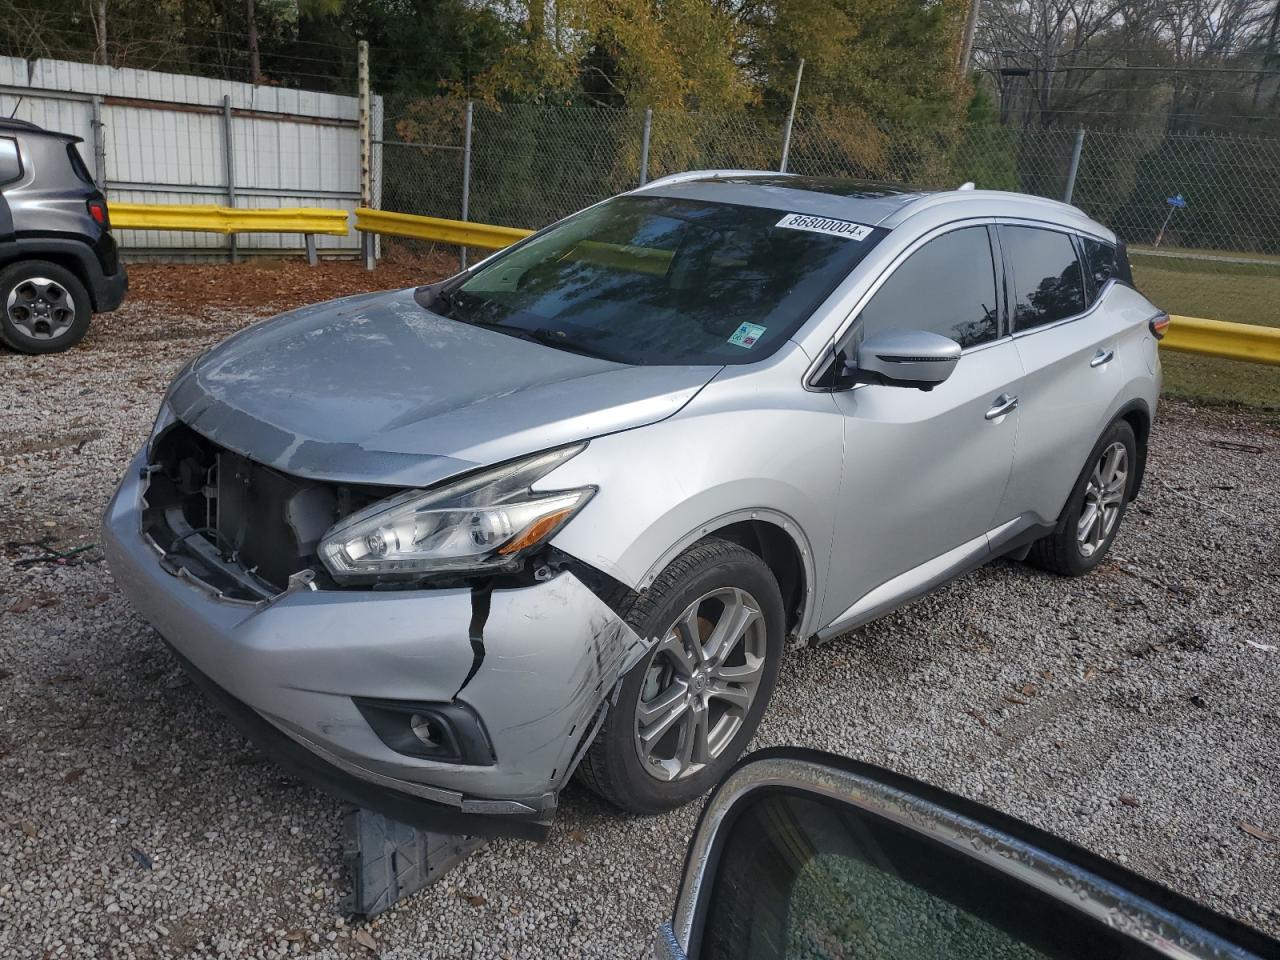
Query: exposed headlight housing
x=486 y=522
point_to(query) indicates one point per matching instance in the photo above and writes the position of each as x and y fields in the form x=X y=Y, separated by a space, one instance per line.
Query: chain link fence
x=532 y=164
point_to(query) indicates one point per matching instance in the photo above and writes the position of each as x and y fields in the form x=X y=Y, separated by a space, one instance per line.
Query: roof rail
x=710 y=175
x=9 y=123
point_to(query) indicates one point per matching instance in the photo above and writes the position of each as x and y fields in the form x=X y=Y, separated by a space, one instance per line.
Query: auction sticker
x=746 y=335
x=836 y=228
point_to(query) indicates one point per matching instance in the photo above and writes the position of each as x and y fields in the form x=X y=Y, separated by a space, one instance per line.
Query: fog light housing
x=447 y=732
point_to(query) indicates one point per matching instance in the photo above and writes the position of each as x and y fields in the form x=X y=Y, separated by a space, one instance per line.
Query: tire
x=1071 y=551
x=44 y=308
x=712 y=579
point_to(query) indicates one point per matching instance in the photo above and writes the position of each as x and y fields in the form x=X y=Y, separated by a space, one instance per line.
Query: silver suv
x=438 y=549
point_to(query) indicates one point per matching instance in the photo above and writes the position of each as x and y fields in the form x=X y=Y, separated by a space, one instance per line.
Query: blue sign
x=1176 y=201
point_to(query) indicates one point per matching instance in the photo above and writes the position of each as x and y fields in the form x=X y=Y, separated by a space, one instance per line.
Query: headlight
x=488 y=521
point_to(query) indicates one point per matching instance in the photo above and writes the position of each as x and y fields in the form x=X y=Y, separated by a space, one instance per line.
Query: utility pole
x=255 y=62
x=1268 y=55
x=99 y=13
x=791 y=119
x=966 y=48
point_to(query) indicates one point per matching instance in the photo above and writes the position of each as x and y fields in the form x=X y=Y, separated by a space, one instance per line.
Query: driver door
x=924 y=472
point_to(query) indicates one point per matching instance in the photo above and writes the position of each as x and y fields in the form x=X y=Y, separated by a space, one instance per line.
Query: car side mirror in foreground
x=908 y=358
x=804 y=854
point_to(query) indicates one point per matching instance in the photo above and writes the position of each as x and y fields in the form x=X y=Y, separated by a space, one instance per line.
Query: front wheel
x=1096 y=507
x=689 y=708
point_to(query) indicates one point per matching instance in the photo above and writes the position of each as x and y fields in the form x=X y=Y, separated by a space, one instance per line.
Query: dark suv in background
x=58 y=260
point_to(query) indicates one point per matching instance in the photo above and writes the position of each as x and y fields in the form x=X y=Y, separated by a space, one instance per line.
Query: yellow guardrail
x=1217 y=338
x=1212 y=338
x=207 y=218
x=461 y=233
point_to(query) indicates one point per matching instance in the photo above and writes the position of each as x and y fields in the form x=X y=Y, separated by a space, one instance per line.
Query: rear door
x=1069 y=348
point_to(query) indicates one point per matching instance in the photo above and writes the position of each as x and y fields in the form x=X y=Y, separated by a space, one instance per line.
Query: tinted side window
x=1047 y=280
x=77 y=164
x=1100 y=263
x=948 y=286
x=10 y=162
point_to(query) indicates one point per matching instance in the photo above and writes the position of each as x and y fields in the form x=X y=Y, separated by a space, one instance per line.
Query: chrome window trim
x=1163 y=932
x=850 y=318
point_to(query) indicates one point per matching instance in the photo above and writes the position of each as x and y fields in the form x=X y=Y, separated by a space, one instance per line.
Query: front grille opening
x=238 y=526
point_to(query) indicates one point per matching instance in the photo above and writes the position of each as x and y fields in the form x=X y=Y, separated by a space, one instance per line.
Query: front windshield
x=652 y=280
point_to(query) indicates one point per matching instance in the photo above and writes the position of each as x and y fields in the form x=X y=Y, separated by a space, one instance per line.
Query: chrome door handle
x=1101 y=357
x=1005 y=403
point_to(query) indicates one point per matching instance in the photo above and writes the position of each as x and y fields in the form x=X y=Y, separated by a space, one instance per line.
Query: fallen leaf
x=5 y=674
x=1016 y=699
x=293 y=936
x=474 y=899
x=1129 y=800
x=73 y=775
x=577 y=836
x=1263 y=835
x=1030 y=689
x=98 y=599
x=513 y=910
x=29 y=829
x=64 y=678
x=365 y=939
x=1090 y=673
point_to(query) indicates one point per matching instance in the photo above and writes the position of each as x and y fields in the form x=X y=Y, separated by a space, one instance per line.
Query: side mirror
x=908 y=358
x=804 y=854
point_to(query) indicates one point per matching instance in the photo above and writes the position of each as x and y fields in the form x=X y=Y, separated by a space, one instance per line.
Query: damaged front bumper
x=307 y=673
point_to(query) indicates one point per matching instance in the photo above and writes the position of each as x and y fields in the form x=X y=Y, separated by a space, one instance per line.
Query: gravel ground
x=1136 y=711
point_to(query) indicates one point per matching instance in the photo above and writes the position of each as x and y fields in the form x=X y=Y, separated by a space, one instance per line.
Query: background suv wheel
x=690 y=707
x=44 y=308
x=1095 y=508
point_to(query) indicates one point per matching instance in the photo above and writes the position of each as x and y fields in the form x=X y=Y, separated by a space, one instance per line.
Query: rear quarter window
x=77 y=165
x=10 y=160
x=1102 y=262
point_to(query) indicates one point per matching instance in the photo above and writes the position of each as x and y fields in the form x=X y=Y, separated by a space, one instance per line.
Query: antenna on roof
x=967 y=185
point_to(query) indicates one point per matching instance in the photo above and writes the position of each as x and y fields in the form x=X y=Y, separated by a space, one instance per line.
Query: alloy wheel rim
x=700 y=682
x=41 y=308
x=1103 y=499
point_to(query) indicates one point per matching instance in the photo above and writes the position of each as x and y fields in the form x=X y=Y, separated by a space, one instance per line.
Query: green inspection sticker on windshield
x=747 y=335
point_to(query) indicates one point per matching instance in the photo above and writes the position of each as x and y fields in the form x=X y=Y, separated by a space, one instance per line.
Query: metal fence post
x=791 y=119
x=1075 y=165
x=644 y=145
x=366 y=146
x=466 y=175
x=99 y=145
x=230 y=154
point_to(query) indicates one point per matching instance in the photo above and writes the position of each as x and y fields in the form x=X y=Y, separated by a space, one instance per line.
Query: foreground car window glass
x=649 y=280
x=1046 y=276
x=804 y=877
x=948 y=286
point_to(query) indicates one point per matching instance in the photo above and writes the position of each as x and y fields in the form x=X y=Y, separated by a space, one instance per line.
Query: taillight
x=98 y=210
x=1159 y=325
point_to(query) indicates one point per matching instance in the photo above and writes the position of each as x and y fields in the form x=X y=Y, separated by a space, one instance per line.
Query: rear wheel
x=45 y=307
x=1095 y=508
x=690 y=707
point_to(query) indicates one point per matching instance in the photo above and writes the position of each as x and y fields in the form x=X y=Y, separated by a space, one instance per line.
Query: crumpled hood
x=376 y=389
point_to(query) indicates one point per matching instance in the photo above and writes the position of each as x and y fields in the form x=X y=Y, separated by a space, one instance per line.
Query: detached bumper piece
x=388 y=861
x=410 y=811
